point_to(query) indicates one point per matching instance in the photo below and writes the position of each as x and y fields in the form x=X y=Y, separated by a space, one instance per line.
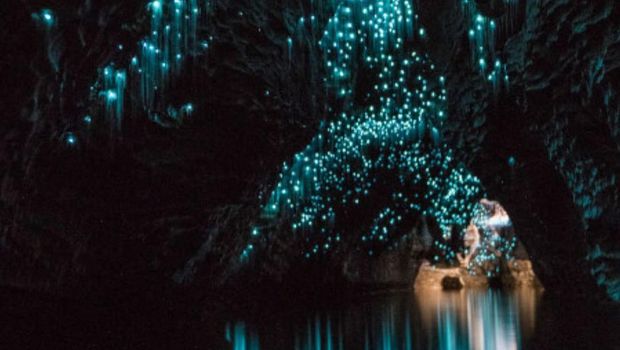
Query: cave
x=310 y=174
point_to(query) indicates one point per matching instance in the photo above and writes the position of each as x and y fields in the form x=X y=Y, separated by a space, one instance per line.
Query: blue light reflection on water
x=468 y=319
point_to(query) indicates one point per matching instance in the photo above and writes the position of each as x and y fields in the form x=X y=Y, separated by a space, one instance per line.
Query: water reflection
x=467 y=319
x=489 y=319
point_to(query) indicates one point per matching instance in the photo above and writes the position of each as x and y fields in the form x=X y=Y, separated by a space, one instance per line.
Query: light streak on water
x=462 y=320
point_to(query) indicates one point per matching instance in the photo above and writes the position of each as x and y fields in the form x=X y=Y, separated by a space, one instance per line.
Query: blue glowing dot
x=47 y=16
x=111 y=95
x=88 y=119
x=512 y=161
x=71 y=139
x=189 y=108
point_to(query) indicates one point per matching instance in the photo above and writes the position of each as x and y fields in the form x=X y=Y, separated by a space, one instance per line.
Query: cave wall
x=547 y=147
x=173 y=205
x=153 y=202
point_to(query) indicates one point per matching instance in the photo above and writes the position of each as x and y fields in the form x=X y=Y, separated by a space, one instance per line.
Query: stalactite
x=173 y=37
x=160 y=57
x=48 y=21
x=114 y=95
x=482 y=33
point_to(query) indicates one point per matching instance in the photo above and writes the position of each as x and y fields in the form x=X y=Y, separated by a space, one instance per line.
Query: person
x=498 y=222
x=471 y=242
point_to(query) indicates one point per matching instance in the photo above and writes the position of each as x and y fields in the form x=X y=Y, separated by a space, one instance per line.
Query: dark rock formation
x=451 y=283
x=557 y=122
x=154 y=202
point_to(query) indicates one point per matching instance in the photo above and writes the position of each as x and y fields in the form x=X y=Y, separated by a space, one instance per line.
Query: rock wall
x=173 y=205
x=557 y=122
x=154 y=202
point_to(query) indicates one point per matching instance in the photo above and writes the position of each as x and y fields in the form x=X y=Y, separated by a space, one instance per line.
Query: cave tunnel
x=310 y=174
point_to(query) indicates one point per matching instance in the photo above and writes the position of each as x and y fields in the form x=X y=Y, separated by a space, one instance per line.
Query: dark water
x=486 y=319
x=467 y=319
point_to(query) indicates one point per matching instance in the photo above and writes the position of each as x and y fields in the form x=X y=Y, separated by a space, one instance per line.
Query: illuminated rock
x=520 y=274
x=430 y=277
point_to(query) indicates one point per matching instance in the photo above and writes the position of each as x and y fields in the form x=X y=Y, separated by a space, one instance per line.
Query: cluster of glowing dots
x=482 y=32
x=172 y=38
x=114 y=82
x=356 y=154
x=321 y=187
x=373 y=34
x=385 y=143
x=493 y=246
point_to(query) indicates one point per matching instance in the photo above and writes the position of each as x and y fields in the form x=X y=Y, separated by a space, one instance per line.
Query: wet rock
x=520 y=274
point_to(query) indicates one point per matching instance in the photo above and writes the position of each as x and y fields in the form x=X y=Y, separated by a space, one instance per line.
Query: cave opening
x=485 y=253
